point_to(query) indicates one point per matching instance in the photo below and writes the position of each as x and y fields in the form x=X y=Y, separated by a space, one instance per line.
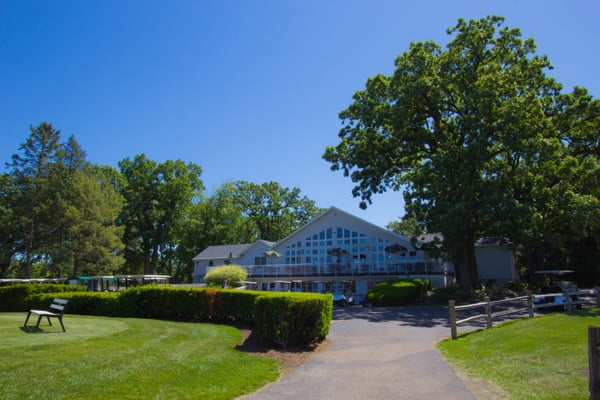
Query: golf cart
x=342 y=294
x=342 y=300
x=555 y=284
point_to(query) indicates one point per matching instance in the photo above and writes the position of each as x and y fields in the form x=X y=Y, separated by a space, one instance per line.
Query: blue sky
x=249 y=90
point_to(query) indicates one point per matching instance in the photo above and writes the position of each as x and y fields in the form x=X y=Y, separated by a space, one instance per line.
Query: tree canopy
x=57 y=212
x=480 y=140
x=62 y=216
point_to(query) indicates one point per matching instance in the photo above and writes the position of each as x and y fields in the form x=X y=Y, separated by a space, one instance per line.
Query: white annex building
x=338 y=252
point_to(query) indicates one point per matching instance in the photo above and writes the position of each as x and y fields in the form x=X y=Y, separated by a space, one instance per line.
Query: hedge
x=293 y=319
x=14 y=297
x=397 y=292
x=286 y=319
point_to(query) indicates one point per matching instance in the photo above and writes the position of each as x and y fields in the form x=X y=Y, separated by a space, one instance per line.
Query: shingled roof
x=226 y=251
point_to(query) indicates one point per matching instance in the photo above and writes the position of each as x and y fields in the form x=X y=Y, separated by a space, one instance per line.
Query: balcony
x=428 y=267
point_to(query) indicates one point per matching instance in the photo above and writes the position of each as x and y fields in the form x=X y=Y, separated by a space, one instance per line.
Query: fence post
x=530 y=304
x=451 y=304
x=594 y=361
x=568 y=300
x=488 y=312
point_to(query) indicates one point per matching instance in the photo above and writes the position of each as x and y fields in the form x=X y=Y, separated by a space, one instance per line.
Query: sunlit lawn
x=122 y=358
x=540 y=358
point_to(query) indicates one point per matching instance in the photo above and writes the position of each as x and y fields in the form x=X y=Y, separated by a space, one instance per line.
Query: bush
x=287 y=319
x=231 y=274
x=397 y=292
x=292 y=319
x=14 y=298
x=164 y=302
x=84 y=303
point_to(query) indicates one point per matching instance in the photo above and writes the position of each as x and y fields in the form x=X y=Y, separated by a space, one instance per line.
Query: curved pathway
x=378 y=353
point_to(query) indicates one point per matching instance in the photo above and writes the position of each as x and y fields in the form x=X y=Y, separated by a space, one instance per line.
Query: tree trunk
x=465 y=266
x=472 y=263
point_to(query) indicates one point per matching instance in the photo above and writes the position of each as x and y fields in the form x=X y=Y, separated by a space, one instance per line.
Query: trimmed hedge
x=286 y=319
x=15 y=297
x=397 y=292
x=291 y=319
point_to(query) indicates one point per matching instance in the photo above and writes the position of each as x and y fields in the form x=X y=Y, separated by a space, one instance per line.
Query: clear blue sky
x=248 y=89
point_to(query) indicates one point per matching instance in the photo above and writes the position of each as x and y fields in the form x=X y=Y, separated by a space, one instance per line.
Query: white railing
x=430 y=267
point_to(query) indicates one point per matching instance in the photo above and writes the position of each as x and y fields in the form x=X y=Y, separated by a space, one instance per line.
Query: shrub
x=85 y=303
x=164 y=302
x=396 y=292
x=14 y=297
x=231 y=273
x=292 y=319
x=517 y=287
x=287 y=319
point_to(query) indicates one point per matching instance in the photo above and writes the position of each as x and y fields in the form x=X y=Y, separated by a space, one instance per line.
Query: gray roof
x=226 y=251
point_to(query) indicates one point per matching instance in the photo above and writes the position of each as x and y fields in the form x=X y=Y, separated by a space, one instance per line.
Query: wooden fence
x=488 y=314
x=519 y=305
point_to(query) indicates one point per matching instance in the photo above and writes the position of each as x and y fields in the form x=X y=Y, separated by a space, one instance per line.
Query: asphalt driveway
x=378 y=353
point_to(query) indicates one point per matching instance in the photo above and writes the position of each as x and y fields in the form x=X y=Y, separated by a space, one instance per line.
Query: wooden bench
x=58 y=308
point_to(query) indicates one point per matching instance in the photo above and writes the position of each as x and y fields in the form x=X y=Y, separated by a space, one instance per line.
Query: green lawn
x=540 y=358
x=126 y=358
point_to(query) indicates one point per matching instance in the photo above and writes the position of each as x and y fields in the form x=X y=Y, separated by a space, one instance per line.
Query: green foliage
x=231 y=273
x=58 y=212
x=397 y=292
x=517 y=287
x=481 y=142
x=18 y=297
x=292 y=319
x=157 y=199
x=80 y=302
x=273 y=212
x=287 y=319
x=164 y=302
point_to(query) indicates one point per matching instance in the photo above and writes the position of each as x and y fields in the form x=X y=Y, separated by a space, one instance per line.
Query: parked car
x=557 y=282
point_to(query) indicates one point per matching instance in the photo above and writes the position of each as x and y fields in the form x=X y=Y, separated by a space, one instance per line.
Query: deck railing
x=431 y=267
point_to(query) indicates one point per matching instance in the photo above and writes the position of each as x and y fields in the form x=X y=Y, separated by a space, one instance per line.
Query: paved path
x=378 y=353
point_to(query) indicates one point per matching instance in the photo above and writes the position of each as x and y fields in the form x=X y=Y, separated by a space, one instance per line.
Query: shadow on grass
x=35 y=329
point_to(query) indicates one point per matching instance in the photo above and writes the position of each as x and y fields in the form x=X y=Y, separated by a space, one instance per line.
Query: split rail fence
x=523 y=305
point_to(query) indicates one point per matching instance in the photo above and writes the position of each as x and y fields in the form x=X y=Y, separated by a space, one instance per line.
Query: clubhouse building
x=338 y=252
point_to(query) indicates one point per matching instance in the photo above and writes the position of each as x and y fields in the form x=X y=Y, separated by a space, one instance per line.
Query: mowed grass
x=540 y=358
x=126 y=358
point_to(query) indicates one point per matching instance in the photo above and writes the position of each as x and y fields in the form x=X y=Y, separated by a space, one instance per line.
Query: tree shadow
x=420 y=315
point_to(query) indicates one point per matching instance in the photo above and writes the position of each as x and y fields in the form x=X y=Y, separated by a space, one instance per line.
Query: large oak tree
x=468 y=133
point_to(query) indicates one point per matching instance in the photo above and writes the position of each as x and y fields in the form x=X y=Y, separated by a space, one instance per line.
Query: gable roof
x=223 y=252
x=334 y=211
